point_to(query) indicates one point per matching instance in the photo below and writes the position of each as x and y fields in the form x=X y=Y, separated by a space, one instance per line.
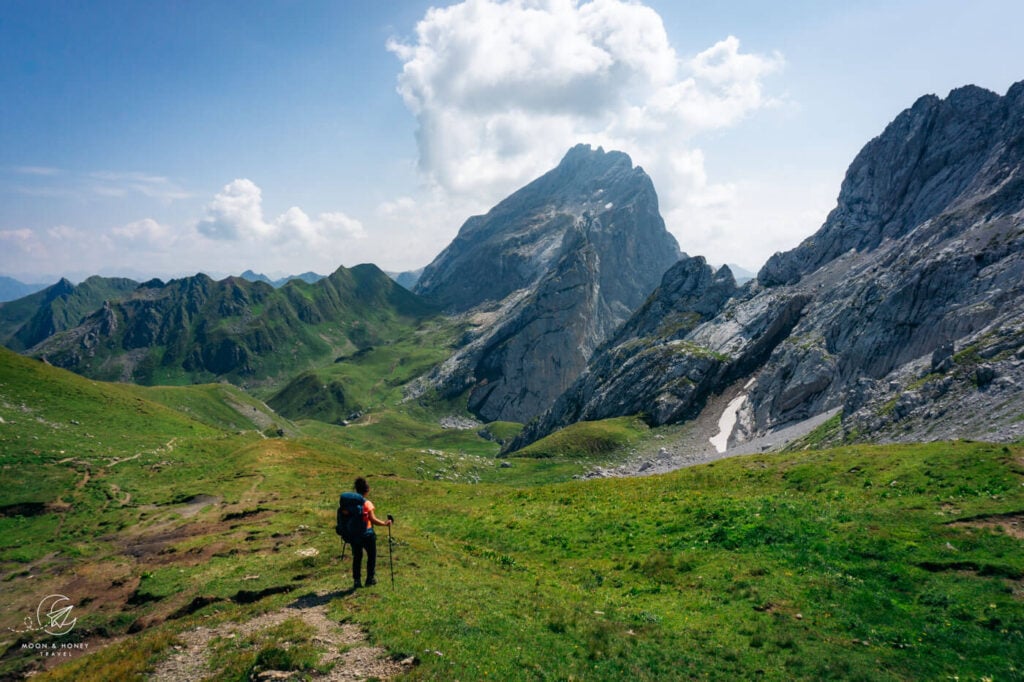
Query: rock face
x=654 y=366
x=906 y=309
x=515 y=244
x=551 y=271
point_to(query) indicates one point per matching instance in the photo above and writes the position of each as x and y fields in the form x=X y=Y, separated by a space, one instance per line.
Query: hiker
x=368 y=540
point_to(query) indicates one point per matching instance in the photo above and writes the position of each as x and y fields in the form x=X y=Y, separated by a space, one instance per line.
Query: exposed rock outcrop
x=908 y=301
x=551 y=272
x=515 y=244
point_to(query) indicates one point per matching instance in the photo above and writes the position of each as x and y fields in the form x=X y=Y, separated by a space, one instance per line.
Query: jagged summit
x=512 y=246
x=583 y=170
x=564 y=261
x=933 y=157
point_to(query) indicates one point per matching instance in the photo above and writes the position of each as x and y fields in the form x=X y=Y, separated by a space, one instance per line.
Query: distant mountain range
x=407 y=279
x=570 y=301
x=307 y=277
x=197 y=329
x=11 y=289
x=741 y=274
x=35 y=318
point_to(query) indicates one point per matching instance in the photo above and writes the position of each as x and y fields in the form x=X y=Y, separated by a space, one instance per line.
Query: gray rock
x=552 y=270
x=985 y=375
x=457 y=423
x=942 y=358
x=514 y=245
x=923 y=254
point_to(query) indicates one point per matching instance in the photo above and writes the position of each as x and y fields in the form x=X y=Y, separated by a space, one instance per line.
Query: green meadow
x=162 y=511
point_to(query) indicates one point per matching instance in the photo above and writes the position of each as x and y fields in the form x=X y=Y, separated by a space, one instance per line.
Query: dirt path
x=115 y=490
x=251 y=492
x=347 y=646
x=114 y=462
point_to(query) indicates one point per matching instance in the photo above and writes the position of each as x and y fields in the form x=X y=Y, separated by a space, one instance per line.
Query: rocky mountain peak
x=62 y=288
x=691 y=292
x=559 y=264
x=932 y=156
x=514 y=244
x=585 y=168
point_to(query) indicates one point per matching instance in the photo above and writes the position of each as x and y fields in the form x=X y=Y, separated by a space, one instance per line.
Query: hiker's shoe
x=371 y=581
x=356 y=585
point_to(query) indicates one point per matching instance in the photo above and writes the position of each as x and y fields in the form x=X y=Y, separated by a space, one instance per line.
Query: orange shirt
x=367 y=511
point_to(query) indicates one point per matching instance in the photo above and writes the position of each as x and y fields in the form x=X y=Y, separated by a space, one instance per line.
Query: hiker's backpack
x=351 y=524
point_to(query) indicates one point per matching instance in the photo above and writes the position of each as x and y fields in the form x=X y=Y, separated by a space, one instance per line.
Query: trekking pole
x=343 y=545
x=391 y=561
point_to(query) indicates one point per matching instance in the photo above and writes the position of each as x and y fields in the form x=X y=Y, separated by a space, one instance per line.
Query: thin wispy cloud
x=152 y=186
x=20 y=236
x=42 y=181
x=37 y=170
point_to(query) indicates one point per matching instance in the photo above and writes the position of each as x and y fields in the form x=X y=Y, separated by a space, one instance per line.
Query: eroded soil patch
x=1012 y=524
x=155 y=547
x=196 y=504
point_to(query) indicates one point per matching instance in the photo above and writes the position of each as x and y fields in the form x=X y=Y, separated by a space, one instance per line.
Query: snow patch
x=726 y=422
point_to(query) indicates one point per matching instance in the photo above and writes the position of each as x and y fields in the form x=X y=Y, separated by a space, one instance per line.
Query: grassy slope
x=370 y=379
x=842 y=564
x=587 y=439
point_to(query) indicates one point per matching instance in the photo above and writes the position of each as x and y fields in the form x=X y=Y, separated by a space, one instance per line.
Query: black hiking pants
x=369 y=545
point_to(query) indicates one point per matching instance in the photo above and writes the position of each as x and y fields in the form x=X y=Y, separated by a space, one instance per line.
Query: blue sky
x=166 y=138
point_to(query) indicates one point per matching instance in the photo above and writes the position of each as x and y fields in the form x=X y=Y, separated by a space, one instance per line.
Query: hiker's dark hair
x=362 y=487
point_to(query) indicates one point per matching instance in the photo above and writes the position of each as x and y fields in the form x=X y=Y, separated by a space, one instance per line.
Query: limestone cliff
x=551 y=272
x=906 y=309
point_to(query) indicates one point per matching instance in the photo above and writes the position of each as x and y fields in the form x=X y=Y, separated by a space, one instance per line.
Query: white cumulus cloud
x=236 y=214
x=501 y=90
